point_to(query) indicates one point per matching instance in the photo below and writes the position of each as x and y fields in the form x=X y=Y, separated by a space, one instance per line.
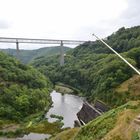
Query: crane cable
x=130 y=65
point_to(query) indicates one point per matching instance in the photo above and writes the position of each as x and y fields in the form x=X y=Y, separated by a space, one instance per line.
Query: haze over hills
x=26 y=56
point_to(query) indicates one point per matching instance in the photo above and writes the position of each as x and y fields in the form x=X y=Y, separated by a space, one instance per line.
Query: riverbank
x=67 y=89
x=33 y=124
x=63 y=89
x=65 y=105
x=59 y=117
x=13 y=129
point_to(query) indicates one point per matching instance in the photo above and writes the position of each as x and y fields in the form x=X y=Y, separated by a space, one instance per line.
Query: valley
x=26 y=56
x=91 y=72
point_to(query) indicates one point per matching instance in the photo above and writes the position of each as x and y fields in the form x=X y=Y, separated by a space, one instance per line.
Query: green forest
x=94 y=69
x=91 y=70
x=98 y=73
x=23 y=90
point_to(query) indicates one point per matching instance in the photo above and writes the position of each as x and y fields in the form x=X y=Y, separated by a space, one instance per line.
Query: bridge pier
x=17 y=48
x=41 y=41
x=61 y=54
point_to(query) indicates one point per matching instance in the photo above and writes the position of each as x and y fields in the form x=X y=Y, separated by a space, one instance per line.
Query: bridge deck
x=39 y=41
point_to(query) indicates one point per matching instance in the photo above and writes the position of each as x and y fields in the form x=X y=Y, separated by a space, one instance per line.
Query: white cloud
x=64 y=19
x=4 y=24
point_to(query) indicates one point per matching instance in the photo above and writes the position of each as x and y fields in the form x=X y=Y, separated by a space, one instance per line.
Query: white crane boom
x=130 y=65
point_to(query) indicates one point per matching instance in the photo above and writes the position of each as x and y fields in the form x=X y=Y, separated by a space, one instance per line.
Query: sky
x=65 y=19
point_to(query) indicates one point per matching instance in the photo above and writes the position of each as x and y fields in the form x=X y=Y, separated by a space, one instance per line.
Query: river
x=66 y=105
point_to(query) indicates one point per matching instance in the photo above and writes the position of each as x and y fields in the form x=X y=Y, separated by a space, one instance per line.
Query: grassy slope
x=117 y=124
x=67 y=134
x=131 y=86
x=113 y=125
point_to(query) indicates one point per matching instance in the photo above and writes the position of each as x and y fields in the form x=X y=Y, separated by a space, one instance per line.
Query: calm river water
x=63 y=105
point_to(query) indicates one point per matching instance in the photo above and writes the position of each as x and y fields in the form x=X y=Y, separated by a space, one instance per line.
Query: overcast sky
x=66 y=19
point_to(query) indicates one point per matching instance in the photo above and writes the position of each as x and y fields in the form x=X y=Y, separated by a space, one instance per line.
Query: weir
x=89 y=112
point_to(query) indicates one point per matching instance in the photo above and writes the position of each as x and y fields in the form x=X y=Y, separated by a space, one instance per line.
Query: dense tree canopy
x=94 y=69
x=23 y=90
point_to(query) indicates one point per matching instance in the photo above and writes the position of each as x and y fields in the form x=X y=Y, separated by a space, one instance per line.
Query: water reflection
x=65 y=105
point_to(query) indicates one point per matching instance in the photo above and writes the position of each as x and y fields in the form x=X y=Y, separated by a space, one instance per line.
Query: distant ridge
x=97 y=72
x=26 y=56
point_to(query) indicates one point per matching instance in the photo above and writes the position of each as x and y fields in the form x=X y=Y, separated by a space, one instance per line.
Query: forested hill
x=123 y=40
x=27 y=55
x=23 y=90
x=96 y=71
